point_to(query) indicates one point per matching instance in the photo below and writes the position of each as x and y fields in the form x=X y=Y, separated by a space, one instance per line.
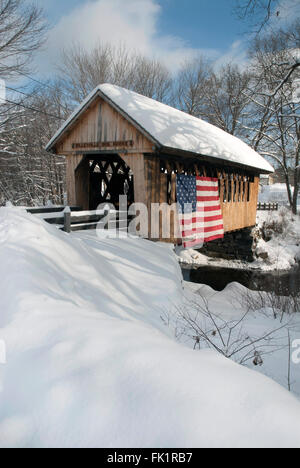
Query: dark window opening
x=110 y=177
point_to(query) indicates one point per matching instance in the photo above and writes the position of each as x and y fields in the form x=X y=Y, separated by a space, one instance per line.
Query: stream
x=284 y=283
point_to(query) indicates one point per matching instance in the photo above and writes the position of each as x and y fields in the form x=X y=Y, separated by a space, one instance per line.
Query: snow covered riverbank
x=281 y=251
x=90 y=363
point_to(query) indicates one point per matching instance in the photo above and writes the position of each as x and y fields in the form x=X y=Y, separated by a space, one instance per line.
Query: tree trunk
x=296 y=191
x=288 y=187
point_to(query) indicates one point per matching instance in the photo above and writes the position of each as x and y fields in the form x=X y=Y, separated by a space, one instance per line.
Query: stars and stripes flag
x=199 y=210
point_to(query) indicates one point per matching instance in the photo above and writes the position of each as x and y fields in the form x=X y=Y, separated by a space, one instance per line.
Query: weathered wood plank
x=137 y=165
x=82 y=184
x=103 y=124
x=72 y=162
x=49 y=210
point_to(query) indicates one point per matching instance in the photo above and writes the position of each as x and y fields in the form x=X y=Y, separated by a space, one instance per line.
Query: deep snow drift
x=90 y=363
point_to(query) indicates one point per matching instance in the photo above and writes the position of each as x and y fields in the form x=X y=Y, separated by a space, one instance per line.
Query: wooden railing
x=51 y=209
x=268 y=206
x=71 y=219
x=90 y=220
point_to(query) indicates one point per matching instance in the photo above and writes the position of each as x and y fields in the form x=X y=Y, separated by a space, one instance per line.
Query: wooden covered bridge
x=119 y=142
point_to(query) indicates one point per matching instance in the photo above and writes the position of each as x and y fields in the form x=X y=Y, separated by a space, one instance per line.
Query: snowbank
x=282 y=251
x=90 y=363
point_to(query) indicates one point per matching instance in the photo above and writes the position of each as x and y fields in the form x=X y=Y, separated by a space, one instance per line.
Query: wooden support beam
x=136 y=162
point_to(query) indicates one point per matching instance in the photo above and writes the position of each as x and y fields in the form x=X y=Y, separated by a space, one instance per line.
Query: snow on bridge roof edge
x=170 y=128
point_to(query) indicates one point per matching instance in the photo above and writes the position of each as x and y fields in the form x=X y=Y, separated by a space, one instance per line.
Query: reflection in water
x=283 y=283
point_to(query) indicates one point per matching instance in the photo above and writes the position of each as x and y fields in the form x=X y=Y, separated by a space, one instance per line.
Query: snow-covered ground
x=90 y=362
x=230 y=305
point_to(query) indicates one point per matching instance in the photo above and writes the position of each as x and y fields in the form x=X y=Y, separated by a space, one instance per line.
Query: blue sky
x=170 y=30
x=202 y=23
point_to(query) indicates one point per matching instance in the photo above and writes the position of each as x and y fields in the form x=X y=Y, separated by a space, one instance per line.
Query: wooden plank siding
x=101 y=123
x=240 y=214
x=157 y=190
x=72 y=162
x=82 y=182
x=137 y=165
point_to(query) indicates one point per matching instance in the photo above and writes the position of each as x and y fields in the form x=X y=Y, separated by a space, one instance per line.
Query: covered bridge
x=120 y=142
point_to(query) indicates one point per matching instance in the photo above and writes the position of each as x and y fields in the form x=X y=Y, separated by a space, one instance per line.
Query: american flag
x=199 y=210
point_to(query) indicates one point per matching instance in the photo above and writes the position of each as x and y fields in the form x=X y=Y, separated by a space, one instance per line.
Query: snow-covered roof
x=172 y=129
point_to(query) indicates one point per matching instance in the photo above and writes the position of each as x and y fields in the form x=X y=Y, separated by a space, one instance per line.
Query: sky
x=170 y=30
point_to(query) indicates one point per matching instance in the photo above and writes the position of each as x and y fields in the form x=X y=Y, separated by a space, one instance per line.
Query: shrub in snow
x=277 y=239
x=280 y=302
x=275 y=226
x=196 y=321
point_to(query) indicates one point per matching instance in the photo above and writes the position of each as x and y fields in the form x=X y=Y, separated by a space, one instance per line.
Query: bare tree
x=259 y=12
x=262 y=14
x=275 y=126
x=83 y=70
x=22 y=29
x=191 y=86
x=227 y=104
x=151 y=78
x=28 y=174
x=218 y=96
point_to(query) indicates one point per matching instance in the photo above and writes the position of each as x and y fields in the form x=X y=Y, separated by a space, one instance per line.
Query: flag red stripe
x=214 y=228
x=207 y=219
x=212 y=208
x=204 y=230
x=219 y=236
x=206 y=199
x=207 y=179
x=187 y=234
x=203 y=188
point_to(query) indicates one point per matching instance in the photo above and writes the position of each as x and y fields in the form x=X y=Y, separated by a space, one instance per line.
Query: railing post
x=67 y=220
x=106 y=214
